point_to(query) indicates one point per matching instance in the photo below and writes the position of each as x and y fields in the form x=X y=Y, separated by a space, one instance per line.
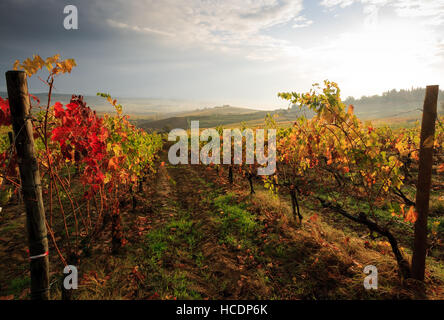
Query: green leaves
x=136 y=147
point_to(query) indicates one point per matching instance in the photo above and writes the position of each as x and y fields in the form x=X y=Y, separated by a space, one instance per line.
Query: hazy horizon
x=200 y=104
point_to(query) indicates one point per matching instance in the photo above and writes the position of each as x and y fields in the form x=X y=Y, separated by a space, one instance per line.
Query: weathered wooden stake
x=424 y=181
x=30 y=183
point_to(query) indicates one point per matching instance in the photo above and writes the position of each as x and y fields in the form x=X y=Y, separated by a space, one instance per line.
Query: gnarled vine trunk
x=295 y=205
x=403 y=265
x=250 y=181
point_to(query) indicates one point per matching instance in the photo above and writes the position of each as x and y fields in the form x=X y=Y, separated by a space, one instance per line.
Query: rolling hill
x=220 y=116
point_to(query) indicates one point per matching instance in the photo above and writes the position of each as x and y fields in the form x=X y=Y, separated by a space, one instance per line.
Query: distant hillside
x=217 y=111
x=225 y=116
x=164 y=124
x=392 y=104
x=206 y=121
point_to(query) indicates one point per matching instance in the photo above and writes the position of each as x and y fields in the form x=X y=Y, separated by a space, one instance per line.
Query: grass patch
x=237 y=224
x=17 y=285
x=156 y=242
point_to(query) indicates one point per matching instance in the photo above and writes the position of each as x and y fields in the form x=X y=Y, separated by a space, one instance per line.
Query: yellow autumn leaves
x=53 y=64
x=410 y=216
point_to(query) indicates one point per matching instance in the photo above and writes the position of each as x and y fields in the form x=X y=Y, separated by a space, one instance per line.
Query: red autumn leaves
x=82 y=138
x=5 y=113
x=5 y=120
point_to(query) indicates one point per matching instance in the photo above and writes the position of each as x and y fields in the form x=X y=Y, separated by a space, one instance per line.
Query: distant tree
x=407 y=97
x=350 y=100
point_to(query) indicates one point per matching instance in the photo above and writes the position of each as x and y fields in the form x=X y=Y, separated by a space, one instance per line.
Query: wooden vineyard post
x=30 y=183
x=424 y=181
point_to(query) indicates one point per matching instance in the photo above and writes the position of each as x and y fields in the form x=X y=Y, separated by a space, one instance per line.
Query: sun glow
x=382 y=55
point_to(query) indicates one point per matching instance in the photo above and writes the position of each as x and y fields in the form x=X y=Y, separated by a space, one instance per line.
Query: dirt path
x=210 y=268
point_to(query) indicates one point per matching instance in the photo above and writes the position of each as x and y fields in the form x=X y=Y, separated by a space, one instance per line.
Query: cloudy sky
x=239 y=52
